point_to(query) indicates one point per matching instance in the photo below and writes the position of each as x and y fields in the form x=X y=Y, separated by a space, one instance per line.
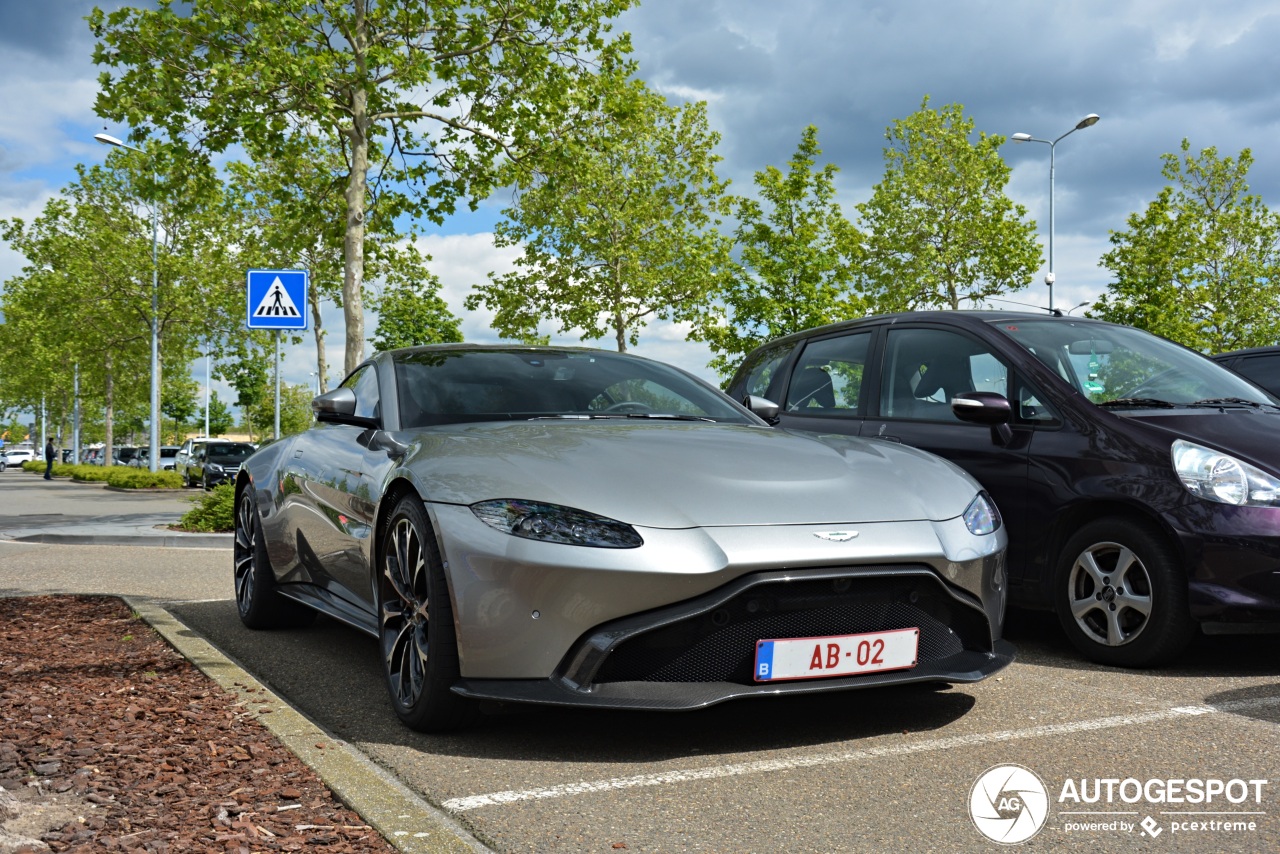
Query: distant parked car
x=124 y=454
x=168 y=453
x=1260 y=365
x=16 y=457
x=183 y=458
x=216 y=462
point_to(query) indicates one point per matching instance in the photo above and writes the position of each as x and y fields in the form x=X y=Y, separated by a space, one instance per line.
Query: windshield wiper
x=1149 y=402
x=611 y=416
x=1231 y=401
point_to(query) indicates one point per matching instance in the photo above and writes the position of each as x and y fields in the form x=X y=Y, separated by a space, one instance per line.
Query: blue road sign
x=277 y=299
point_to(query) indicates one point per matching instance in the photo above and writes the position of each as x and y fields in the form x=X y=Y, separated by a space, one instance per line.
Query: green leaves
x=616 y=222
x=798 y=261
x=1199 y=265
x=424 y=98
x=940 y=228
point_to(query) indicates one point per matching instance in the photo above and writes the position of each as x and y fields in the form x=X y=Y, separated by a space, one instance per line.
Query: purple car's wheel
x=259 y=603
x=1121 y=595
x=415 y=624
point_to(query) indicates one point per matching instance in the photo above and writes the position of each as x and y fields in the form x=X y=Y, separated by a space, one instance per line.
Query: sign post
x=277 y=299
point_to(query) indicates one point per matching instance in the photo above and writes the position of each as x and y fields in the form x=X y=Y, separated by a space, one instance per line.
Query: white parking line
x=720 y=771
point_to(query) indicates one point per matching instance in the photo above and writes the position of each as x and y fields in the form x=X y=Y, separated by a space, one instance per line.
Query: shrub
x=123 y=477
x=214 y=512
x=86 y=473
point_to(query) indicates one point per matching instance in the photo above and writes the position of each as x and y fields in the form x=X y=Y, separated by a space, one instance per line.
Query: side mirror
x=985 y=407
x=765 y=408
x=339 y=407
x=340 y=402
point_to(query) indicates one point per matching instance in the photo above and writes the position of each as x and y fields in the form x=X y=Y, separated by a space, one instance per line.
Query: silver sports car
x=577 y=527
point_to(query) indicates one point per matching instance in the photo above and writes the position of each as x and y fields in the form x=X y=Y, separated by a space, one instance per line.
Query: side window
x=1031 y=407
x=828 y=375
x=762 y=369
x=925 y=368
x=364 y=382
x=1262 y=370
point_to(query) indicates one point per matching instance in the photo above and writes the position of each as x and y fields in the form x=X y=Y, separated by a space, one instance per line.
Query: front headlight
x=981 y=516
x=552 y=523
x=1220 y=477
x=214 y=468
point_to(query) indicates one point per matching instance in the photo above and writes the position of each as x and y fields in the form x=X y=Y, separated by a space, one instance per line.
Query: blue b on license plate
x=841 y=655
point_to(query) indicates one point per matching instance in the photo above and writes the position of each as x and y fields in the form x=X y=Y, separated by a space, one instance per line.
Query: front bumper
x=1233 y=561
x=701 y=652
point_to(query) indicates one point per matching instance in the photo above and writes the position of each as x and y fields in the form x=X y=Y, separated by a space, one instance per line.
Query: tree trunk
x=108 y=415
x=353 y=242
x=321 y=365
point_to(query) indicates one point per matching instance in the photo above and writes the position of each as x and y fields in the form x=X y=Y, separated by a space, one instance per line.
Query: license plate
x=843 y=655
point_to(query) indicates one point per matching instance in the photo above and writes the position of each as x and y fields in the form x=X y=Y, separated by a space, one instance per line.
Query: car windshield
x=230 y=452
x=454 y=386
x=1123 y=367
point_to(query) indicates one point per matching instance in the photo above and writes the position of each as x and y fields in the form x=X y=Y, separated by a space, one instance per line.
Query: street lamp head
x=107 y=139
x=1021 y=137
x=1088 y=121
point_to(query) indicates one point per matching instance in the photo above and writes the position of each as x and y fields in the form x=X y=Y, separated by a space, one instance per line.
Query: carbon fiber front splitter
x=963 y=667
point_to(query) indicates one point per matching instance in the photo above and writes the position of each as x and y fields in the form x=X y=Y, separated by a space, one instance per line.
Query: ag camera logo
x=1009 y=804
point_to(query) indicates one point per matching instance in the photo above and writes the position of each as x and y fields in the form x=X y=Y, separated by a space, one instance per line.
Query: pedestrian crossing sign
x=277 y=299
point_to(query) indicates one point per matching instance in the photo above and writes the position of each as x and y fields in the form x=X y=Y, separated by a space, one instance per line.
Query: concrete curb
x=174 y=541
x=403 y=817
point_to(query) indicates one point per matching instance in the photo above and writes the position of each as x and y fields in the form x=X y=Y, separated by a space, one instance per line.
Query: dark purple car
x=1139 y=480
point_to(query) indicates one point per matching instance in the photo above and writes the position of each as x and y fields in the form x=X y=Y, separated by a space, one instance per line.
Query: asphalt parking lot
x=1182 y=759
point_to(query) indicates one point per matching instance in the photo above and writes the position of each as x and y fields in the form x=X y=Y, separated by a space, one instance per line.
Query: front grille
x=719 y=645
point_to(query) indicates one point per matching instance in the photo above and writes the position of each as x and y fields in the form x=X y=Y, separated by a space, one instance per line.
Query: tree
x=799 y=257
x=1201 y=263
x=428 y=94
x=178 y=400
x=86 y=296
x=410 y=310
x=940 y=228
x=220 y=419
x=251 y=379
x=616 y=223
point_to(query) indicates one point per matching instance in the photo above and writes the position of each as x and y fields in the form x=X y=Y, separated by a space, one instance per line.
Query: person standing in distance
x=48 y=459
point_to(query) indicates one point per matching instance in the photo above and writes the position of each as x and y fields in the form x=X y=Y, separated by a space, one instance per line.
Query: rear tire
x=259 y=602
x=416 y=635
x=1121 y=595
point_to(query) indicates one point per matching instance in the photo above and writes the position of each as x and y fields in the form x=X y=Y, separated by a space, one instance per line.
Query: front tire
x=417 y=640
x=1121 y=595
x=260 y=605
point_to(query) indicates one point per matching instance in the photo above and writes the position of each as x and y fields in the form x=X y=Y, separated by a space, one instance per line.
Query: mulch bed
x=112 y=741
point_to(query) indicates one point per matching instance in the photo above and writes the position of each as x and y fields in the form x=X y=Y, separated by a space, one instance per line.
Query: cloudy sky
x=1156 y=71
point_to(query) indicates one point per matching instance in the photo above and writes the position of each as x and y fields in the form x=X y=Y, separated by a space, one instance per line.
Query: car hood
x=1247 y=433
x=681 y=475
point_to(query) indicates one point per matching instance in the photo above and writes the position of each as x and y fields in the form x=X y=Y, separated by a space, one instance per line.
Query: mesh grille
x=720 y=646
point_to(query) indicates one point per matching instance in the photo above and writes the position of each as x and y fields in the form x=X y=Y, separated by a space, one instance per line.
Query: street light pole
x=1088 y=121
x=154 y=454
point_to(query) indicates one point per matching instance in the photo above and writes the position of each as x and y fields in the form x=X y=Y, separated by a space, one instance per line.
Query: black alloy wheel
x=417 y=640
x=259 y=603
x=1121 y=595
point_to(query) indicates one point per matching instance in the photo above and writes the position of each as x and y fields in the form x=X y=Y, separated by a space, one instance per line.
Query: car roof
x=974 y=318
x=1248 y=351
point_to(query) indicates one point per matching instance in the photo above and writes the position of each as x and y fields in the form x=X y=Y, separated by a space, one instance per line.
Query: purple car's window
x=450 y=386
x=1122 y=366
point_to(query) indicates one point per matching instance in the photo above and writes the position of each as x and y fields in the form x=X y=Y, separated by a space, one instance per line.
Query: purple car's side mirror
x=985 y=407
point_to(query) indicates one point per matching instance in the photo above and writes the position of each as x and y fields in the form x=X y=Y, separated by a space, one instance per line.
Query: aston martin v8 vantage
x=577 y=527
